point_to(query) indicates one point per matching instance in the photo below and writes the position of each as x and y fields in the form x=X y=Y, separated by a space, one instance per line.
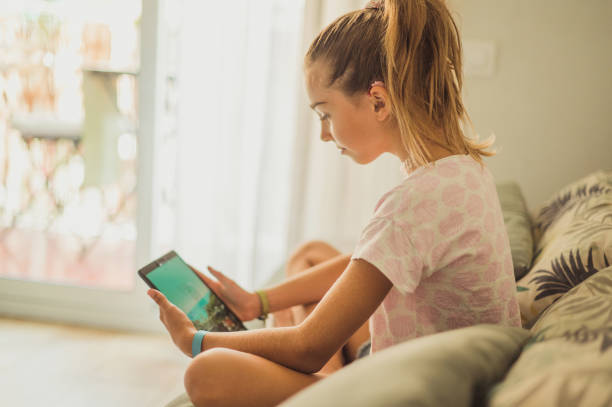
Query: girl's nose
x=325 y=134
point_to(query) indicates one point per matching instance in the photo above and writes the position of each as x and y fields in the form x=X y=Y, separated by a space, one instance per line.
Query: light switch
x=478 y=58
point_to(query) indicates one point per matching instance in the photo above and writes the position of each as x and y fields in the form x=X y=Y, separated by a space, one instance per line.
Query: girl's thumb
x=158 y=297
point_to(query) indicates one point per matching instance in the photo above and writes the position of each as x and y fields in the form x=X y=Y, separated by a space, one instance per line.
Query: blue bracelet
x=196 y=344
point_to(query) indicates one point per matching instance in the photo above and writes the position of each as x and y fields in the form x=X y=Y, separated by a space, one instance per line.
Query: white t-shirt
x=440 y=238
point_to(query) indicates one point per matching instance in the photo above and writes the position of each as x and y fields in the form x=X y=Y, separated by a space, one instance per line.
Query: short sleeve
x=386 y=245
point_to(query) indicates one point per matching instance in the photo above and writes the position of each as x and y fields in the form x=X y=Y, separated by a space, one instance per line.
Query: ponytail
x=414 y=47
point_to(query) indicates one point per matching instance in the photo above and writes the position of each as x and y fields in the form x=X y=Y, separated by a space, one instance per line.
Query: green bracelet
x=265 y=306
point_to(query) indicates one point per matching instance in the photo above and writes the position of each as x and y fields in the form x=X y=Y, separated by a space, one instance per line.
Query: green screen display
x=184 y=289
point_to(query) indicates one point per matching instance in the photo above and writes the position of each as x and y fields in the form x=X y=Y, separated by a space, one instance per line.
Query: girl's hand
x=179 y=326
x=244 y=304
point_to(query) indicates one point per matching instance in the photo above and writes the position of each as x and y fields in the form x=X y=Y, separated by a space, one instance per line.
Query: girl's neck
x=436 y=150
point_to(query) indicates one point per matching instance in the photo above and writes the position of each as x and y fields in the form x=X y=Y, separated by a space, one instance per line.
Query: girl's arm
x=304 y=288
x=307 y=347
x=308 y=286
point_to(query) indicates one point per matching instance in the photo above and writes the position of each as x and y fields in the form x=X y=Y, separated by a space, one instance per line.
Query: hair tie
x=375 y=4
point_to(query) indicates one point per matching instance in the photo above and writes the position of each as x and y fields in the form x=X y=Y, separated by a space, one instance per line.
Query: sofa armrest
x=443 y=369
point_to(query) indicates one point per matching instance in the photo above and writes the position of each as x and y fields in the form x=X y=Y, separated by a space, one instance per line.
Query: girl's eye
x=323 y=117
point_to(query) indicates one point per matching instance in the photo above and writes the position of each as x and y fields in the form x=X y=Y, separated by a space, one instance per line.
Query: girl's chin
x=358 y=160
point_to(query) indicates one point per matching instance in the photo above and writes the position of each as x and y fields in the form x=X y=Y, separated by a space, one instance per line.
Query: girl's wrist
x=187 y=340
x=255 y=305
x=264 y=305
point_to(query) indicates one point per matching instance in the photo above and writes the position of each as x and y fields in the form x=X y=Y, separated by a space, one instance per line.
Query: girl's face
x=353 y=123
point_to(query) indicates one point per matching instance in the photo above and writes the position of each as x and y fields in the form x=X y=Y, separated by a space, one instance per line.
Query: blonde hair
x=413 y=46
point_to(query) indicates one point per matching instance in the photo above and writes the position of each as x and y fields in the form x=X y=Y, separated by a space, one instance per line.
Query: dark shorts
x=364 y=349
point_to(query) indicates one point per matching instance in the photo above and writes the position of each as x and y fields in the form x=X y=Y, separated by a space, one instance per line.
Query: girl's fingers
x=158 y=297
x=214 y=285
x=219 y=275
x=201 y=275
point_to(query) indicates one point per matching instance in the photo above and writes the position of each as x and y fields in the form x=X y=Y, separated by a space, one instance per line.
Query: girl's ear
x=380 y=102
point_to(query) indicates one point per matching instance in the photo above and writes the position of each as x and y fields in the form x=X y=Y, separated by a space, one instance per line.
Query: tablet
x=181 y=285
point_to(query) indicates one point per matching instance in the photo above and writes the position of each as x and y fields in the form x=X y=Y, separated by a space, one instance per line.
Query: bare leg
x=210 y=379
x=225 y=377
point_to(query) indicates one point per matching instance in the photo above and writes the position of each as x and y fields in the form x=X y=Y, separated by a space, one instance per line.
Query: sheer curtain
x=252 y=180
x=236 y=72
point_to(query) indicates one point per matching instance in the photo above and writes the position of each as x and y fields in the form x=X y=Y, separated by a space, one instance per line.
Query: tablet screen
x=184 y=289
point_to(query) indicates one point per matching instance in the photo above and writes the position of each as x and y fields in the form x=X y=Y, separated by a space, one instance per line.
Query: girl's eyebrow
x=316 y=104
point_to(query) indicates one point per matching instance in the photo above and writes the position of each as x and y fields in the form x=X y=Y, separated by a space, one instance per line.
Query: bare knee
x=203 y=384
x=306 y=250
x=309 y=254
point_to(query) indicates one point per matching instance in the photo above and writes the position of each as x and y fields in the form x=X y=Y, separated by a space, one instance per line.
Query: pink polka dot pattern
x=451 y=224
x=459 y=321
x=427 y=184
x=448 y=169
x=500 y=242
x=491 y=273
x=392 y=301
x=460 y=261
x=475 y=206
x=469 y=239
x=505 y=288
x=465 y=279
x=481 y=298
x=398 y=241
x=470 y=181
x=438 y=252
x=424 y=239
x=428 y=316
x=484 y=254
x=378 y=322
x=385 y=206
x=453 y=195
x=402 y=326
x=446 y=299
x=489 y=222
x=426 y=210
x=513 y=310
x=491 y=316
x=439 y=237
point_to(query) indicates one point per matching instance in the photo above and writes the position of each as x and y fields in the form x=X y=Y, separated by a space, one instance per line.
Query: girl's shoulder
x=434 y=182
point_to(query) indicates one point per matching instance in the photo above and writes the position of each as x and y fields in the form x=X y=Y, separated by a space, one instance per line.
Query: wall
x=549 y=100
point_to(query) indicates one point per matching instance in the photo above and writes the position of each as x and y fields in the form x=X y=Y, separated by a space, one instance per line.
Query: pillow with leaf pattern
x=568 y=360
x=573 y=245
x=554 y=214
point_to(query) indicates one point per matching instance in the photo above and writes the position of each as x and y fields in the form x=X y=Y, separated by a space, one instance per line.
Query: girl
x=435 y=256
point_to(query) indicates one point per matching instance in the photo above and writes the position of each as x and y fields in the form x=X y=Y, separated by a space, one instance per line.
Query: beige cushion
x=569 y=360
x=445 y=369
x=180 y=401
x=518 y=224
x=573 y=247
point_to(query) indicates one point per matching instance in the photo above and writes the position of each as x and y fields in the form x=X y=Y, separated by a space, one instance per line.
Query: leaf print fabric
x=576 y=244
x=567 y=361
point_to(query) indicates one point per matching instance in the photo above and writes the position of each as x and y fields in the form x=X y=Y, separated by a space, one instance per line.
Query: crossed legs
x=225 y=377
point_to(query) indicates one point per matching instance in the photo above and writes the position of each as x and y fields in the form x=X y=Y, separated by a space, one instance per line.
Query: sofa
x=562 y=254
